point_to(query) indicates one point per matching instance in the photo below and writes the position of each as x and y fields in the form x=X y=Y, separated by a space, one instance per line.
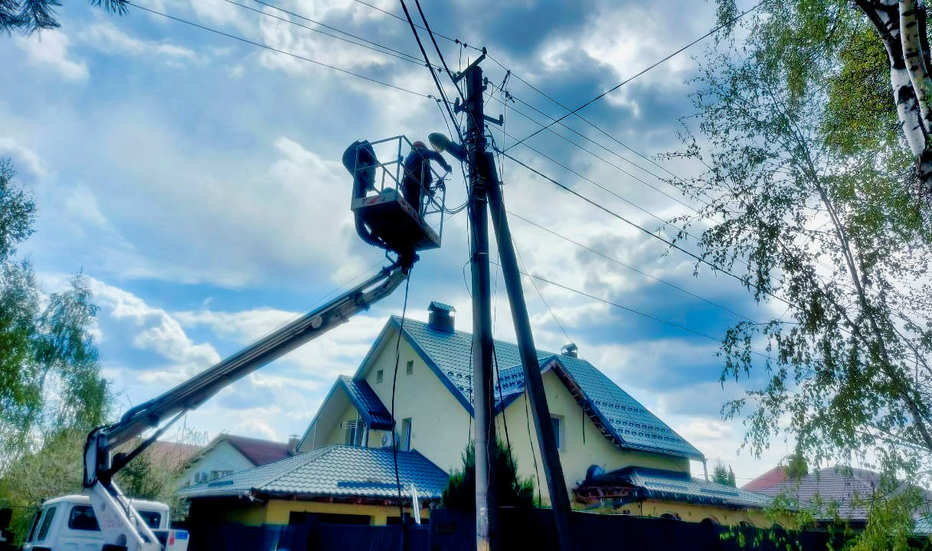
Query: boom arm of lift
x=117 y=519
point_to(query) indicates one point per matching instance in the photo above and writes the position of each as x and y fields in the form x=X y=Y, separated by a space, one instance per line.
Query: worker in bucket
x=417 y=177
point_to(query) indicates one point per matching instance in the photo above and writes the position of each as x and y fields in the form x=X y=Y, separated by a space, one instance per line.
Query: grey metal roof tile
x=633 y=425
x=333 y=471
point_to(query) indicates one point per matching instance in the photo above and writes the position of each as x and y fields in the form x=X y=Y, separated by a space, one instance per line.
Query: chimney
x=441 y=317
x=293 y=441
x=570 y=350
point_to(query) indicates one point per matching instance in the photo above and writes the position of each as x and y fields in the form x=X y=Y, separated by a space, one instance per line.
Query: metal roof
x=366 y=402
x=335 y=471
x=677 y=486
x=627 y=422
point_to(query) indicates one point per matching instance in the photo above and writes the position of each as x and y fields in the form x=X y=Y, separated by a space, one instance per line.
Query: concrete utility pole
x=485 y=190
x=483 y=398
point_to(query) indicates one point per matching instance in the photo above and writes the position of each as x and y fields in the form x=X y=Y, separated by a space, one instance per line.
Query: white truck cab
x=68 y=523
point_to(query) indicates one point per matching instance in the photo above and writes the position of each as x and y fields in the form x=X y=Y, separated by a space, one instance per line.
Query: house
x=345 y=484
x=840 y=490
x=601 y=430
x=229 y=453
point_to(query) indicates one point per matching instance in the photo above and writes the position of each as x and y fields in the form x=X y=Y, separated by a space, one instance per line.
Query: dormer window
x=354 y=433
x=378 y=375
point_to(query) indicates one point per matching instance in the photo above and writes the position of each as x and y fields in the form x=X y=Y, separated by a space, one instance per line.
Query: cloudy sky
x=195 y=179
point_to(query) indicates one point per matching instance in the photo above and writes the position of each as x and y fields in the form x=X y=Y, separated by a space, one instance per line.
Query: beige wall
x=439 y=421
x=582 y=444
x=277 y=511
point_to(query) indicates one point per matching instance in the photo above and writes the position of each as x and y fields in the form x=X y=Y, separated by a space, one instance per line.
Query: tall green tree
x=49 y=372
x=510 y=489
x=724 y=475
x=27 y=16
x=801 y=191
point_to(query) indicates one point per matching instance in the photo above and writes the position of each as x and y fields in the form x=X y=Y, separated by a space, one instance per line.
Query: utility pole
x=485 y=191
x=483 y=397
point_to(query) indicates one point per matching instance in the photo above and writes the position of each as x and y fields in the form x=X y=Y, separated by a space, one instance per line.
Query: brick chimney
x=570 y=350
x=441 y=317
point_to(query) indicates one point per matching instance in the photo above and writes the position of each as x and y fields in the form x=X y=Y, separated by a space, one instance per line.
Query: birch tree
x=801 y=191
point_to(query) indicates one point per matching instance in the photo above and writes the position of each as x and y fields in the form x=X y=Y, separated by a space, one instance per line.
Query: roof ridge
x=310 y=456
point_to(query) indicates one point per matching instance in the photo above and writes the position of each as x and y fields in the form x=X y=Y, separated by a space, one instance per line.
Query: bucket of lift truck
x=384 y=217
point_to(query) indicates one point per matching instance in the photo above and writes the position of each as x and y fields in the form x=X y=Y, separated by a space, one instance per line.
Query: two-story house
x=616 y=455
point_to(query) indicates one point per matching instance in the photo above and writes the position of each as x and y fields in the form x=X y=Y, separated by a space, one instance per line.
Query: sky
x=195 y=180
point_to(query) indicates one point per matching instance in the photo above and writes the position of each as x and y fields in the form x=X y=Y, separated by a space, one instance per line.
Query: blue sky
x=196 y=181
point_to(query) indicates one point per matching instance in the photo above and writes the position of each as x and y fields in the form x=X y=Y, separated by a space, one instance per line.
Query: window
x=557 y=433
x=378 y=376
x=35 y=524
x=152 y=518
x=409 y=367
x=200 y=476
x=405 y=444
x=46 y=523
x=353 y=433
x=82 y=518
x=214 y=475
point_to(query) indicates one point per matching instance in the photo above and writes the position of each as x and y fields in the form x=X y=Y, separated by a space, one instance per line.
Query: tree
x=723 y=475
x=897 y=33
x=813 y=215
x=27 y=16
x=51 y=389
x=511 y=490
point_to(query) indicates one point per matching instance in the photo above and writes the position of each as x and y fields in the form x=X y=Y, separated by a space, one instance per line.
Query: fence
x=533 y=529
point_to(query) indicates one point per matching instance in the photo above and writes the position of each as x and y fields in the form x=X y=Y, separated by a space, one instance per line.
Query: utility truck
x=383 y=219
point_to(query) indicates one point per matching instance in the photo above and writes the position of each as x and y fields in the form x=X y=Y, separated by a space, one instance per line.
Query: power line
x=595 y=155
x=273 y=49
x=626 y=265
x=363 y=42
x=611 y=151
x=628 y=309
x=400 y=18
x=607 y=190
x=430 y=69
x=645 y=70
x=672 y=244
x=579 y=116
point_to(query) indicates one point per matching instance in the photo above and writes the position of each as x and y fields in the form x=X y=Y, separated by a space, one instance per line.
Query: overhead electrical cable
x=627 y=308
x=400 y=18
x=597 y=156
x=354 y=39
x=578 y=115
x=626 y=220
x=277 y=50
x=654 y=65
x=618 y=196
x=626 y=265
x=430 y=69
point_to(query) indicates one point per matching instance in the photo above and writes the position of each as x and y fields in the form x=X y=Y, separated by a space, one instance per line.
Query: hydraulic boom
x=117 y=519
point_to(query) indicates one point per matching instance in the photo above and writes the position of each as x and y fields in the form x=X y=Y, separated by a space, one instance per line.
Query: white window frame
x=405 y=439
x=358 y=428
x=558 y=430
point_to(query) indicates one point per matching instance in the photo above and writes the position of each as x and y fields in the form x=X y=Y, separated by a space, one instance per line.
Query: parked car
x=68 y=523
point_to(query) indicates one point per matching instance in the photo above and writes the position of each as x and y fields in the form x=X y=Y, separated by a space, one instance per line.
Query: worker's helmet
x=418 y=145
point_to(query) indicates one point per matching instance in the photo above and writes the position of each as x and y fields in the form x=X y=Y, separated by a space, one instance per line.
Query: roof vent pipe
x=570 y=350
x=441 y=317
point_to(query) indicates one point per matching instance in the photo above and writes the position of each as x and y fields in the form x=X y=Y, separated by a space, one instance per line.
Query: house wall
x=277 y=511
x=336 y=434
x=222 y=457
x=582 y=444
x=439 y=421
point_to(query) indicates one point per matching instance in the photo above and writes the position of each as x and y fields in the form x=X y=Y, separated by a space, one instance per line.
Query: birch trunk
x=901 y=25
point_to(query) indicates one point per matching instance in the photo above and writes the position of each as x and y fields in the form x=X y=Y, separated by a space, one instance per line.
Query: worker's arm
x=435 y=156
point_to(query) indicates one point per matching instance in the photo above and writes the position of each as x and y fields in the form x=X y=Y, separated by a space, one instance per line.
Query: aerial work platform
x=383 y=216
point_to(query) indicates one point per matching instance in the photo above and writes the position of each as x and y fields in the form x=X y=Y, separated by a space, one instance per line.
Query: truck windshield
x=46 y=523
x=82 y=518
x=152 y=518
x=35 y=524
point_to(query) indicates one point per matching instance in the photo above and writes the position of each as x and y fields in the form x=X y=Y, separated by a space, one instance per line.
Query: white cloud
x=50 y=47
x=106 y=37
x=24 y=156
x=155 y=329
